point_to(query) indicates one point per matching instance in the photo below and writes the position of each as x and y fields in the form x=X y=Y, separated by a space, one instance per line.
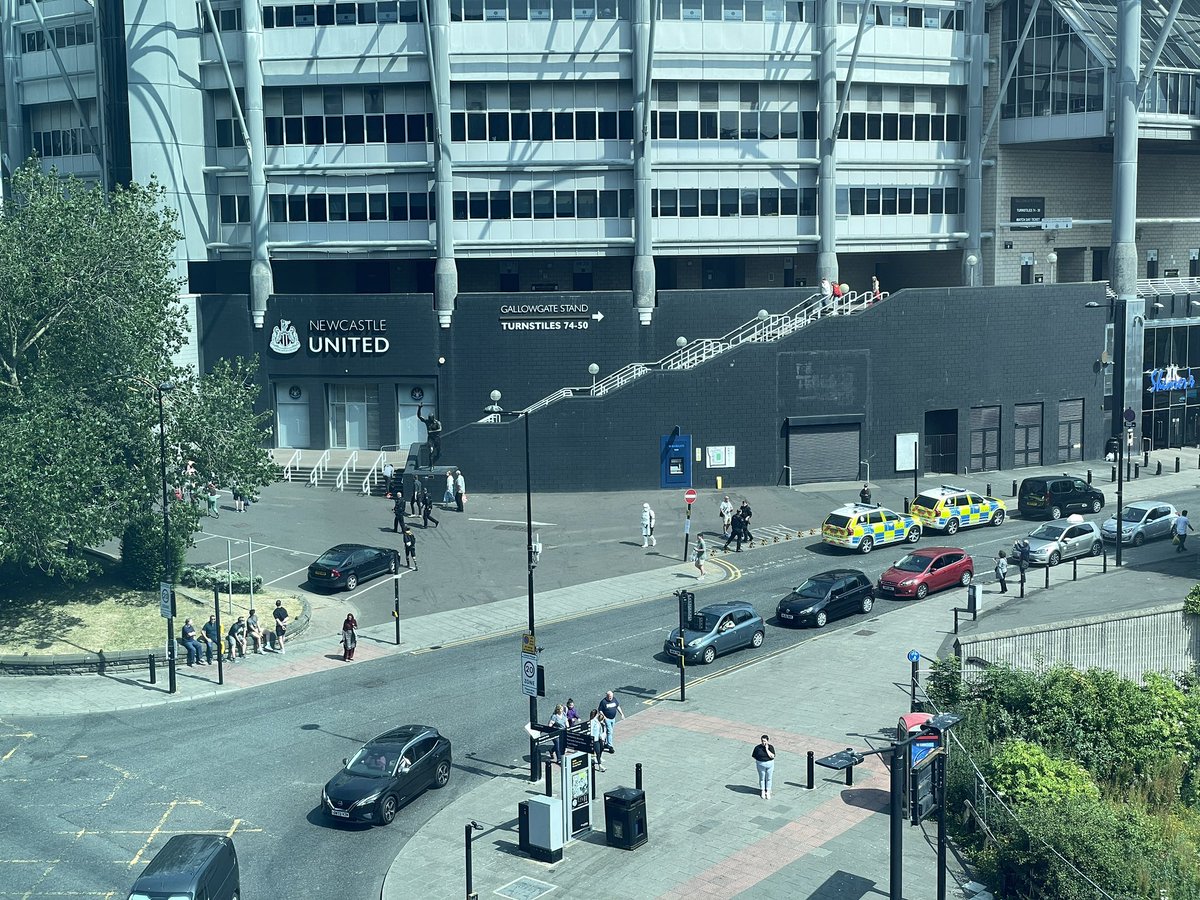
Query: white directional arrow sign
x=597 y=316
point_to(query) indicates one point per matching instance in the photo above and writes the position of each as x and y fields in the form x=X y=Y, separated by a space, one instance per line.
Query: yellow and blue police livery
x=949 y=508
x=857 y=526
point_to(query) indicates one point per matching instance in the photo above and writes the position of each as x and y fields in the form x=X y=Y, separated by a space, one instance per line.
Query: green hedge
x=204 y=577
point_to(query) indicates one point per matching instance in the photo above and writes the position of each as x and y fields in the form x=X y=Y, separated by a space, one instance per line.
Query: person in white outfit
x=448 y=497
x=648 y=526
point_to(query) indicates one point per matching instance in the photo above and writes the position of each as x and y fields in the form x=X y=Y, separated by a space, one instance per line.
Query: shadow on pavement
x=873 y=799
x=845 y=886
x=741 y=789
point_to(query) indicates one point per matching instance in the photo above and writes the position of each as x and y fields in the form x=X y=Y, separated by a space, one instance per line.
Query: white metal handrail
x=374 y=473
x=343 y=475
x=292 y=464
x=322 y=466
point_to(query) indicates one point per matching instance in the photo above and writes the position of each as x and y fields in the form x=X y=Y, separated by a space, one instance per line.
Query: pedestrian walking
x=280 y=615
x=388 y=471
x=460 y=489
x=410 y=548
x=764 y=761
x=427 y=509
x=239 y=498
x=864 y=496
x=448 y=497
x=726 y=517
x=571 y=713
x=1002 y=571
x=698 y=554
x=1181 y=528
x=596 y=731
x=876 y=294
x=349 y=637
x=737 y=530
x=558 y=721
x=747 y=512
x=397 y=514
x=648 y=539
x=414 y=498
x=610 y=708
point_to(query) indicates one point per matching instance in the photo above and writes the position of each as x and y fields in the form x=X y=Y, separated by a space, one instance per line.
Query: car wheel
x=997 y=518
x=757 y=639
x=1139 y=539
x=914 y=535
x=1054 y=559
x=1096 y=504
x=1097 y=548
x=351 y=582
x=922 y=591
x=821 y=619
x=867 y=545
x=710 y=653
x=1056 y=512
x=965 y=579
x=387 y=809
x=868 y=602
x=952 y=526
x=442 y=776
x=393 y=565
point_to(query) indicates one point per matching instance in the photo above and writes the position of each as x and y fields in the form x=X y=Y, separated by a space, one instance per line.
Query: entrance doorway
x=941 y=441
x=353 y=416
x=291 y=416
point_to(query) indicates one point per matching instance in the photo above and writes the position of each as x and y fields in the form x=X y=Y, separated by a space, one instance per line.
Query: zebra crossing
x=764 y=535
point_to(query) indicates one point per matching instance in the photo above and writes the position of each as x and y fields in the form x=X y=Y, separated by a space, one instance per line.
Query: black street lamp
x=161 y=389
x=531 y=555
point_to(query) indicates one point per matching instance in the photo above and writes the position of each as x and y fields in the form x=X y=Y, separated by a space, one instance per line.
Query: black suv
x=1055 y=496
x=839 y=592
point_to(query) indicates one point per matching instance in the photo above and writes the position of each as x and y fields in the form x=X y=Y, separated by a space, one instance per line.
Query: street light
x=1127 y=417
x=1052 y=258
x=532 y=564
x=972 y=263
x=593 y=370
x=681 y=342
x=160 y=389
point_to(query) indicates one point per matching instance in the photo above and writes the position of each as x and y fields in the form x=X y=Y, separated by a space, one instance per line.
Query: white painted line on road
x=288 y=575
x=618 y=640
x=633 y=665
x=258 y=546
x=515 y=522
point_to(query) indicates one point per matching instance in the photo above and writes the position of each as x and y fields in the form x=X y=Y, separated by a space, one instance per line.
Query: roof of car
x=346 y=548
x=718 y=609
x=1146 y=504
x=174 y=867
x=945 y=489
x=403 y=734
x=856 y=508
x=834 y=573
x=934 y=551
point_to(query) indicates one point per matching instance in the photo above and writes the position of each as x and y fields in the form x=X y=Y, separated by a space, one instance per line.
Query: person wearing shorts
x=280 y=615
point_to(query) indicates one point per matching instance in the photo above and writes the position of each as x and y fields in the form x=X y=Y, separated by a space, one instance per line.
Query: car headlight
x=908 y=582
x=369 y=799
x=325 y=797
x=807 y=611
x=695 y=642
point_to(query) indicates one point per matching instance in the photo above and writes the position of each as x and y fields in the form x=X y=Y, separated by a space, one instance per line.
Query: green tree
x=89 y=323
x=1021 y=772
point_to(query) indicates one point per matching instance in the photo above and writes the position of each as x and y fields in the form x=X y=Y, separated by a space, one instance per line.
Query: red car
x=925 y=570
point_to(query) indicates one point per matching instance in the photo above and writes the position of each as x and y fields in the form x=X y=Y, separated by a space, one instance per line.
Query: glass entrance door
x=353 y=416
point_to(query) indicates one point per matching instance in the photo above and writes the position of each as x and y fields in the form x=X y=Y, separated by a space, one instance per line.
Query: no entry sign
x=689 y=497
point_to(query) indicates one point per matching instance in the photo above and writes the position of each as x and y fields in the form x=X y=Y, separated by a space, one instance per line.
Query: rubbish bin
x=625 y=818
x=1112 y=446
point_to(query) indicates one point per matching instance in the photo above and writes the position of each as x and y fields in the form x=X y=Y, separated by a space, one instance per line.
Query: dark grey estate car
x=717 y=629
x=386 y=773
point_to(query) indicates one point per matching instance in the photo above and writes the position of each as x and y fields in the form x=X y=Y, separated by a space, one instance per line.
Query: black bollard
x=1047 y=574
x=849 y=776
x=153 y=672
x=1075 y=570
x=989 y=489
x=956 y=620
x=549 y=779
x=1136 y=471
x=594 y=779
x=1128 y=470
x=1014 y=493
x=1089 y=476
x=906 y=506
x=1158 y=468
x=1177 y=465
x=811 y=774
x=1113 y=476
x=1104 y=559
x=637 y=776
x=1022 y=583
x=1146 y=459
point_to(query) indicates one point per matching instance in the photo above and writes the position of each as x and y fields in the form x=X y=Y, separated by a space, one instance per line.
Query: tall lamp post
x=531 y=557
x=161 y=389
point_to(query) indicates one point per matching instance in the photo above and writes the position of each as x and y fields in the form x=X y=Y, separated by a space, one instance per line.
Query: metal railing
x=319 y=470
x=293 y=464
x=343 y=475
x=1158 y=287
x=374 y=473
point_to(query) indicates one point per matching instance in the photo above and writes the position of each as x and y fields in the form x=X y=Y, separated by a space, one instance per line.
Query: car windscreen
x=813 y=588
x=331 y=558
x=913 y=563
x=925 y=501
x=838 y=521
x=1033 y=486
x=374 y=760
x=701 y=622
x=1133 y=513
x=1049 y=532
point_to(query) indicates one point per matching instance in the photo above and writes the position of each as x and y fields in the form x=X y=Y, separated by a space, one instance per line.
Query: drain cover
x=525 y=888
x=864 y=633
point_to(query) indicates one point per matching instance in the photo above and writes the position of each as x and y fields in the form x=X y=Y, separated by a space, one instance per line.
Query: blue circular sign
x=914 y=656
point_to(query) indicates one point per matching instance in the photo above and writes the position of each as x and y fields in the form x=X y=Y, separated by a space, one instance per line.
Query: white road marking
x=514 y=522
x=633 y=665
x=618 y=640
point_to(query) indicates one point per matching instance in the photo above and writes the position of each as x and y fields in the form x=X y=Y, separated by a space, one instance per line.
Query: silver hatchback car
x=1141 y=522
x=1054 y=542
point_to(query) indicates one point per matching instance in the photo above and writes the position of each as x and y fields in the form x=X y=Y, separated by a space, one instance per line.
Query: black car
x=1055 y=496
x=386 y=773
x=826 y=596
x=345 y=565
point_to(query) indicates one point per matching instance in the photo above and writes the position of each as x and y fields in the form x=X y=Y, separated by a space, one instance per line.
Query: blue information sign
x=914 y=656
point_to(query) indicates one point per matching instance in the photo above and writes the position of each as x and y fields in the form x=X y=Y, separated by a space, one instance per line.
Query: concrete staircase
x=345 y=470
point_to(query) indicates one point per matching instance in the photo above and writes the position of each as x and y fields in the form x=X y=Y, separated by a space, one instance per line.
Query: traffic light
x=687 y=607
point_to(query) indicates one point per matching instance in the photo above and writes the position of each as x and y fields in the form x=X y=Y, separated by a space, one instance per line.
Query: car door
x=1075 y=541
x=837 y=598
x=1079 y=495
x=857 y=587
x=743 y=629
x=937 y=577
x=1158 y=523
x=420 y=771
x=724 y=637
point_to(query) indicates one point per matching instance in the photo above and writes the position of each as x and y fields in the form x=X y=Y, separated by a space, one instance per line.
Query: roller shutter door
x=823 y=452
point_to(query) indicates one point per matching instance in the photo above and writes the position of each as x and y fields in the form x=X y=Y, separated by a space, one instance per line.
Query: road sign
x=529 y=643
x=529 y=674
x=919 y=750
x=914 y=656
x=689 y=496
x=164 y=601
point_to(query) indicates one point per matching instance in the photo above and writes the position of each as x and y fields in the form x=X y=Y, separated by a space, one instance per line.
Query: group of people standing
x=208 y=640
x=600 y=725
x=735 y=524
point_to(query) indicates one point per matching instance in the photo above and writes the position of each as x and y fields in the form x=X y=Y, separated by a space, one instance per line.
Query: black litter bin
x=1112 y=447
x=625 y=818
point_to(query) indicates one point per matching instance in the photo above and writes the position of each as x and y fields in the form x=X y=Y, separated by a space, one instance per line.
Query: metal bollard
x=1022 y=583
x=637 y=776
x=1177 y=465
x=956 y=620
x=153 y=672
x=594 y=779
x=1089 y=479
x=549 y=779
x=1047 y=574
x=1158 y=468
x=1128 y=470
x=1104 y=559
x=1136 y=471
x=906 y=506
x=811 y=773
x=1014 y=492
x=1146 y=459
x=1113 y=476
x=849 y=774
x=1075 y=569
x=989 y=489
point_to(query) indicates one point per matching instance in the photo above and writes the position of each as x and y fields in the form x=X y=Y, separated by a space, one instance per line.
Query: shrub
x=1022 y=772
x=1191 y=603
x=945 y=683
x=204 y=577
x=142 y=553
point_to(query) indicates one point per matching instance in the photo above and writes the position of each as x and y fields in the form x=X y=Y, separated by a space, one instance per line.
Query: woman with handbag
x=349 y=637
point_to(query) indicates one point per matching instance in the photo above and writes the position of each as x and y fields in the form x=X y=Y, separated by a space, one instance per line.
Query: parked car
x=191 y=865
x=838 y=592
x=1055 y=496
x=857 y=526
x=347 y=565
x=389 y=771
x=949 y=508
x=717 y=629
x=926 y=570
x=1053 y=542
x=1140 y=522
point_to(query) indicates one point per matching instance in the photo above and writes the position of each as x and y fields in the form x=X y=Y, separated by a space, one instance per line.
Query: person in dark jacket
x=427 y=509
x=737 y=530
x=864 y=496
x=764 y=761
x=398 y=513
x=212 y=638
x=747 y=513
x=410 y=548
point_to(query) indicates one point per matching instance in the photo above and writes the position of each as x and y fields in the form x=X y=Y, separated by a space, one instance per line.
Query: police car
x=857 y=526
x=949 y=508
